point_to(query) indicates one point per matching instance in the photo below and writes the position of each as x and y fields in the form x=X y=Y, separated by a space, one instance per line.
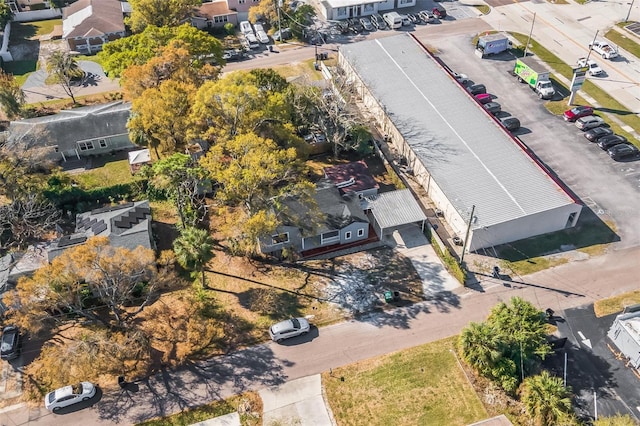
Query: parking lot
x=610 y=189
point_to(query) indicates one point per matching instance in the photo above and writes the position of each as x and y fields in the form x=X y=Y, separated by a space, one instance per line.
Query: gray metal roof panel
x=395 y=208
x=469 y=156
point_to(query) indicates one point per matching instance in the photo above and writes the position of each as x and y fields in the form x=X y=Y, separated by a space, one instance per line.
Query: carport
x=389 y=211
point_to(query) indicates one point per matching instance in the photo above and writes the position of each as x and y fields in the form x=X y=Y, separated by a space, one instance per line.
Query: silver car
x=589 y=122
x=69 y=395
x=289 y=328
x=366 y=24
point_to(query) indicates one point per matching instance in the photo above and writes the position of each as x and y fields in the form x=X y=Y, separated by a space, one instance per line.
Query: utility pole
x=565 y=368
x=591 y=49
x=629 y=12
x=278 y=6
x=466 y=237
x=530 y=32
x=595 y=404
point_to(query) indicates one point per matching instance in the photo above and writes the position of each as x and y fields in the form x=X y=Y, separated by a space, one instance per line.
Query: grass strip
x=623 y=41
x=615 y=304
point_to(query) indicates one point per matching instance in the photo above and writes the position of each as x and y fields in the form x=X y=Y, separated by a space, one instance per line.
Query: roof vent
x=346 y=183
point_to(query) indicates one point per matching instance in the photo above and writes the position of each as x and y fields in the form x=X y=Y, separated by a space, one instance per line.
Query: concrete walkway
x=298 y=402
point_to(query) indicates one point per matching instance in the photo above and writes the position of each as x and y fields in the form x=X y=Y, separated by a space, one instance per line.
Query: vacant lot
x=419 y=386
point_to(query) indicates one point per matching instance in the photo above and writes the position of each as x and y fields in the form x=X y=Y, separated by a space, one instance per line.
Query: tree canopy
x=5 y=14
x=11 y=95
x=160 y=13
x=547 y=401
x=94 y=281
x=193 y=250
x=508 y=345
x=138 y=49
x=64 y=70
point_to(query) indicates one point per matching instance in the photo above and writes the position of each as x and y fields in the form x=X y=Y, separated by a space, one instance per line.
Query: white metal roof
x=395 y=208
x=467 y=153
x=631 y=323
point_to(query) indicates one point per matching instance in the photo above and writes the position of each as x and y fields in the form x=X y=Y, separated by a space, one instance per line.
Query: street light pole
x=629 y=13
x=466 y=237
x=530 y=32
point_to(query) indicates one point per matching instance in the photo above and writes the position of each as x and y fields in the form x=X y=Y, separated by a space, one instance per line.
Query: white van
x=252 y=41
x=393 y=20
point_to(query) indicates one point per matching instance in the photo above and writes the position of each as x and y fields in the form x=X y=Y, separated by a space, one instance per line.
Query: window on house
x=220 y=19
x=347 y=235
x=56 y=148
x=85 y=146
x=368 y=7
x=241 y=1
x=103 y=143
x=280 y=238
x=342 y=11
x=406 y=1
x=360 y=232
x=330 y=236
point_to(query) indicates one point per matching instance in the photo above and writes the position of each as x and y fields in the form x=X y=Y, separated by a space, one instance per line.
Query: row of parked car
x=377 y=21
x=595 y=130
x=479 y=92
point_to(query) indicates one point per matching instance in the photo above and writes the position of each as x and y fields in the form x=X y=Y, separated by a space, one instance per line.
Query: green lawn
x=249 y=400
x=623 y=41
x=110 y=173
x=420 y=386
x=28 y=30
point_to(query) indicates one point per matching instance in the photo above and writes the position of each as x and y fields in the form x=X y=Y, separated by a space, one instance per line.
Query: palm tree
x=193 y=249
x=480 y=347
x=63 y=69
x=546 y=400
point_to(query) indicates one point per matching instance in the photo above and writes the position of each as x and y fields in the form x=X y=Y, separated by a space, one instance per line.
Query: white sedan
x=594 y=68
x=69 y=395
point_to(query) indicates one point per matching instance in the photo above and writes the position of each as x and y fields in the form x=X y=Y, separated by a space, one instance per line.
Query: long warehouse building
x=458 y=152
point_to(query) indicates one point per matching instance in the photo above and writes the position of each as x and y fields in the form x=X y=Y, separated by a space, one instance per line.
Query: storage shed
x=625 y=334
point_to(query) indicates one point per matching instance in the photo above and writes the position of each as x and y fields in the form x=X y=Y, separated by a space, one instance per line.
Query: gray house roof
x=126 y=225
x=70 y=126
x=470 y=157
x=92 y=18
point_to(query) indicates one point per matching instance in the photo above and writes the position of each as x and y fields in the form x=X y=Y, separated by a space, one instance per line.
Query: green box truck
x=528 y=70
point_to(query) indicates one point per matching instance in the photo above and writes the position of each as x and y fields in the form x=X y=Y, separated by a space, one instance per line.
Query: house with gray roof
x=76 y=133
x=340 y=221
x=126 y=225
x=88 y=24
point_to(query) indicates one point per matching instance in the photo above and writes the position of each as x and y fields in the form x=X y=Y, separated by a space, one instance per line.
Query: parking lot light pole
x=629 y=12
x=529 y=38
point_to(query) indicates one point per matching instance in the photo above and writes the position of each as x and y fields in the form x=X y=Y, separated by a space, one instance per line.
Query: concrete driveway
x=298 y=402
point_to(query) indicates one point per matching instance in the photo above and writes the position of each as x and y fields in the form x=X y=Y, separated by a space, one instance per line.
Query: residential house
x=76 y=133
x=341 y=221
x=88 y=24
x=126 y=225
x=353 y=178
x=214 y=14
x=242 y=8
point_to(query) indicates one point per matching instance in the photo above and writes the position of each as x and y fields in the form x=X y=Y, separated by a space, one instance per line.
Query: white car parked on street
x=289 y=328
x=69 y=395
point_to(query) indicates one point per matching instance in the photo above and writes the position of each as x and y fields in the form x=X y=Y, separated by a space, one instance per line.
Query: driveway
x=298 y=402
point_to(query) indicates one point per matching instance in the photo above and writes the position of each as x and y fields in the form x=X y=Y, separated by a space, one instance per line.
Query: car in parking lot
x=476 y=89
x=462 y=78
x=413 y=18
x=289 y=328
x=366 y=24
x=439 y=11
x=574 y=113
x=377 y=23
x=69 y=395
x=589 y=122
x=355 y=26
x=492 y=107
x=427 y=17
x=483 y=98
x=596 y=133
x=594 y=68
x=510 y=123
x=607 y=142
x=623 y=150
x=10 y=343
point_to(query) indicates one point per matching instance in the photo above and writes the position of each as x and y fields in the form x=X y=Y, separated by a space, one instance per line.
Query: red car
x=574 y=113
x=483 y=98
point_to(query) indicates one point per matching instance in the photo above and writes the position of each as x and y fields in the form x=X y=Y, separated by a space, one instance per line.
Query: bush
x=76 y=200
x=230 y=28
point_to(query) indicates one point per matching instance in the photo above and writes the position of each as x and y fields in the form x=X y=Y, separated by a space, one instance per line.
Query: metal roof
x=468 y=154
x=395 y=208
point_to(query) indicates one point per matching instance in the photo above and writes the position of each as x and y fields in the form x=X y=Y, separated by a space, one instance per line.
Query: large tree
x=64 y=70
x=11 y=95
x=172 y=63
x=5 y=14
x=547 y=401
x=160 y=13
x=183 y=182
x=138 y=49
x=162 y=115
x=94 y=281
x=193 y=250
x=242 y=102
x=508 y=345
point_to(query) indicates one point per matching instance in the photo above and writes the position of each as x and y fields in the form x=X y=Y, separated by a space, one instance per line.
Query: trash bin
x=388 y=296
